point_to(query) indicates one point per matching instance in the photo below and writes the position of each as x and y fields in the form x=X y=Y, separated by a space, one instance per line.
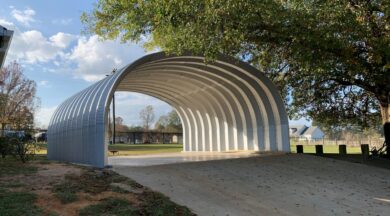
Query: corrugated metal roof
x=226 y=105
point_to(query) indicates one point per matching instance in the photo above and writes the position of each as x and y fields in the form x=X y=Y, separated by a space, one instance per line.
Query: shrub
x=5 y=147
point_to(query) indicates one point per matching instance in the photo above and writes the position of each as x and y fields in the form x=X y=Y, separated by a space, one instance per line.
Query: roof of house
x=310 y=130
x=5 y=40
x=303 y=130
x=299 y=130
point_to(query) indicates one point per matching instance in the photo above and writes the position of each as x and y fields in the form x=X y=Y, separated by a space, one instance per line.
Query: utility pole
x=113 y=113
x=113 y=118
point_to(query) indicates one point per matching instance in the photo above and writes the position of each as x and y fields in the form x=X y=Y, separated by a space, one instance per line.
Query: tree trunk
x=385 y=111
x=2 y=130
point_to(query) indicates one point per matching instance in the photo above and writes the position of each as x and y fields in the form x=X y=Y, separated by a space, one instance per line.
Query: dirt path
x=270 y=185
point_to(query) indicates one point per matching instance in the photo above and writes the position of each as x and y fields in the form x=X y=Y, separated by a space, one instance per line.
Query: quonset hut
x=226 y=105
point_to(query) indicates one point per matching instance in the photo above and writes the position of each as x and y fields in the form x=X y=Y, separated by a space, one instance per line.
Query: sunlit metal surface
x=5 y=41
x=226 y=105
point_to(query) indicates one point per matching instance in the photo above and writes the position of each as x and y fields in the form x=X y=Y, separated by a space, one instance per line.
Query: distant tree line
x=169 y=122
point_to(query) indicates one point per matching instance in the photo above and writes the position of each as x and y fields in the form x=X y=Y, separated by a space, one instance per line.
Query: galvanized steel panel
x=226 y=105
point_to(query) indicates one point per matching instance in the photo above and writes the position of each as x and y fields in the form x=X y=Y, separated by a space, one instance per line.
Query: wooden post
x=163 y=138
x=365 y=150
x=299 y=149
x=342 y=149
x=319 y=150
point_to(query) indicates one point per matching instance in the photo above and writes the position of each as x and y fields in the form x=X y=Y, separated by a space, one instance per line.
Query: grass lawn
x=42 y=187
x=140 y=149
x=328 y=149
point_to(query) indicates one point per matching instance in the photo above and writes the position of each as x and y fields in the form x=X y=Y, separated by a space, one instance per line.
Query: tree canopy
x=169 y=123
x=147 y=117
x=17 y=98
x=330 y=59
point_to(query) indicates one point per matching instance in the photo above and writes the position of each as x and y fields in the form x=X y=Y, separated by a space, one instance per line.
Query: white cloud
x=62 y=39
x=96 y=58
x=6 y=23
x=25 y=17
x=32 y=46
x=43 y=116
x=62 y=21
x=44 y=83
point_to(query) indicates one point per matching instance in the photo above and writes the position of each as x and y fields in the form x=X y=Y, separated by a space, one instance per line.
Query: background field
x=141 y=149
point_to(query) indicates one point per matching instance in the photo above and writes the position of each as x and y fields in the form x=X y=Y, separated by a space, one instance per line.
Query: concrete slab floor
x=270 y=185
x=178 y=157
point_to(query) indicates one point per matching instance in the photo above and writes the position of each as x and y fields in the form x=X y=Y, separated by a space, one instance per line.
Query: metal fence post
x=342 y=149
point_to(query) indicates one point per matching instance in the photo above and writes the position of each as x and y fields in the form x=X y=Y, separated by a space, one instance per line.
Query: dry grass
x=50 y=188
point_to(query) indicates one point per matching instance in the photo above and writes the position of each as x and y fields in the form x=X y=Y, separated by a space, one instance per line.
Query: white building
x=303 y=132
x=5 y=41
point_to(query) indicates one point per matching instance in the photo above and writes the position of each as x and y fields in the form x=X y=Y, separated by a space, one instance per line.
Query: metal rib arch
x=226 y=105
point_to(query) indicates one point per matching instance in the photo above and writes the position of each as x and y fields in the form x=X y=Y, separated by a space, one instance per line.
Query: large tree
x=17 y=98
x=169 y=123
x=330 y=59
x=119 y=125
x=147 y=117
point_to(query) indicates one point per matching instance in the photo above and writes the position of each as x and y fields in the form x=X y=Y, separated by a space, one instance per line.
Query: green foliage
x=18 y=203
x=17 y=147
x=110 y=206
x=330 y=59
x=10 y=166
x=5 y=147
x=90 y=181
x=25 y=150
x=160 y=205
x=169 y=123
x=66 y=196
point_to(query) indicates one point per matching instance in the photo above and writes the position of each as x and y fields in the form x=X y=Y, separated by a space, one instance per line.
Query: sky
x=49 y=44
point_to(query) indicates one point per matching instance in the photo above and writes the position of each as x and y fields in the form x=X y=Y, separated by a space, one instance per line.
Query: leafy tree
x=119 y=126
x=330 y=59
x=174 y=123
x=17 y=98
x=147 y=116
x=136 y=129
x=169 y=123
x=161 y=123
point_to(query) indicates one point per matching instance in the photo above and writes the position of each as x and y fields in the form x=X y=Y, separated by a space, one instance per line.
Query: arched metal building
x=226 y=105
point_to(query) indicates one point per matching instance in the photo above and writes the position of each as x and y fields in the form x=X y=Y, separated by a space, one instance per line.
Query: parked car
x=40 y=137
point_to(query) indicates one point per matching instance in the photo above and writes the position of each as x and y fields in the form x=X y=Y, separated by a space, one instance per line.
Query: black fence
x=139 y=137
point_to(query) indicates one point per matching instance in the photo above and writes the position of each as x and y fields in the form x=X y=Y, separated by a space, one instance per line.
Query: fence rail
x=372 y=142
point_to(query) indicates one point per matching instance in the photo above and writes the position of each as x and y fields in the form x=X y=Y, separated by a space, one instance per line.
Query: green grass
x=140 y=149
x=18 y=203
x=90 y=182
x=13 y=185
x=328 y=149
x=153 y=204
x=159 y=205
x=10 y=166
x=110 y=206
x=66 y=196
x=16 y=198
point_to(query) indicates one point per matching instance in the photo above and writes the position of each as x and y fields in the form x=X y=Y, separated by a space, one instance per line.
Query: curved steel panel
x=226 y=105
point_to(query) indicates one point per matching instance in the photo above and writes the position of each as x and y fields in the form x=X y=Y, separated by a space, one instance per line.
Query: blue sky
x=53 y=52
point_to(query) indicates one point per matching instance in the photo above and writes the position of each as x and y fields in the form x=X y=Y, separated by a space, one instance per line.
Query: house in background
x=5 y=41
x=303 y=132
